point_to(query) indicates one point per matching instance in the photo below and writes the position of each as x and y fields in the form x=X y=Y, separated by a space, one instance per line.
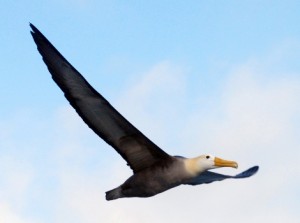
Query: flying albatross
x=154 y=171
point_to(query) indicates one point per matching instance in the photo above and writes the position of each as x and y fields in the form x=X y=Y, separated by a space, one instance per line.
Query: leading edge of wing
x=96 y=111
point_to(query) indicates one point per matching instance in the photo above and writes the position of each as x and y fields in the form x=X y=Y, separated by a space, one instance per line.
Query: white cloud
x=154 y=100
x=7 y=215
x=16 y=178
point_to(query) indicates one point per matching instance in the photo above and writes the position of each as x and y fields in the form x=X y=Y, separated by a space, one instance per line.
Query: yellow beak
x=225 y=163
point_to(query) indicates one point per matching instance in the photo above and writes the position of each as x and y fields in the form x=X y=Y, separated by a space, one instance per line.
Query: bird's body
x=154 y=171
x=153 y=180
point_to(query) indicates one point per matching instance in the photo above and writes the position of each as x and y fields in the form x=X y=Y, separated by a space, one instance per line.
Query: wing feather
x=96 y=111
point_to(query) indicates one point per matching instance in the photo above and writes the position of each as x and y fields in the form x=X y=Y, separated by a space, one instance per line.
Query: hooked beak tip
x=236 y=165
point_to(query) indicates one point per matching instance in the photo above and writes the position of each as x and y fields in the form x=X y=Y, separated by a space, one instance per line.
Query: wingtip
x=254 y=169
x=35 y=31
x=38 y=37
x=248 y=173
x=32 y=26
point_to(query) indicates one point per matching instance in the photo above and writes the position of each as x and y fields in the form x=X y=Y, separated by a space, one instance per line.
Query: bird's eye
x=207 y=157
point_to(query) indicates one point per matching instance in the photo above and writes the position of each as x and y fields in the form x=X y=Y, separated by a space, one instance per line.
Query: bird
x=154 y=170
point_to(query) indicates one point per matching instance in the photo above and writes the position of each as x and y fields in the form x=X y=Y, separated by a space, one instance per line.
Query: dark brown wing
x=96 y=111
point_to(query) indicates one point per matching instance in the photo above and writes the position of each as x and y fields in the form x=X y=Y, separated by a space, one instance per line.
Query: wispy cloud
x=7 y=214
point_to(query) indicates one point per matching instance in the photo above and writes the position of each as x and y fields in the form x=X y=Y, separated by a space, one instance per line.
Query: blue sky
x=195 y=76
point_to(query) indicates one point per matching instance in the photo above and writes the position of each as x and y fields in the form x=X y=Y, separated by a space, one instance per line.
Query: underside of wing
x=209 y=177
x=96 y=111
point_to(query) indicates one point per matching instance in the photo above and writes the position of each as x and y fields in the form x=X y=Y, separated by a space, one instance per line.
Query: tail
x=114 y=194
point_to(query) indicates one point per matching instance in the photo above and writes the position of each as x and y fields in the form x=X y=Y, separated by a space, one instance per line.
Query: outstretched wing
x=209 y=177
x=96 y=111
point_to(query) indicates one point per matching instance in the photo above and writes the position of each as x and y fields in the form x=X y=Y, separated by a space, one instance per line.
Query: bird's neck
x=192 y=166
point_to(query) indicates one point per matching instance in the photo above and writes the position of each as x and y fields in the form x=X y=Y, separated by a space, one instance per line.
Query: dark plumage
x=154 y=170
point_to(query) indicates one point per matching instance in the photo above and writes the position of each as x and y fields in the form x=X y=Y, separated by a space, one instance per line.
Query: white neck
x=192 y=166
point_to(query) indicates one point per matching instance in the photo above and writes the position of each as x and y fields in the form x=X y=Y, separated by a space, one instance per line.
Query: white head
x=207 y=162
